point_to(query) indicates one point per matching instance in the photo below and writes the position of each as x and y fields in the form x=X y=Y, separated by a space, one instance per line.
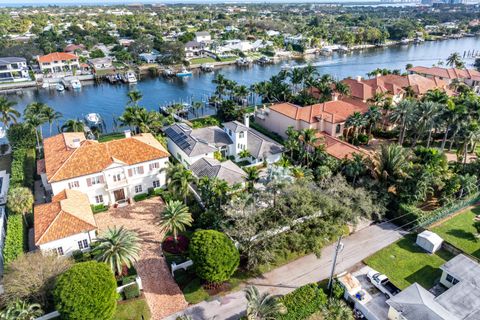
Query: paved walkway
x=163 y=295
x=299 y=272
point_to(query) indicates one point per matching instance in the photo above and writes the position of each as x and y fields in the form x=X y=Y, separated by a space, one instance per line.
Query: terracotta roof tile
x=68 y=214
x=57 y=56
x=64 y=161
x=450 y=73
x=338 y=148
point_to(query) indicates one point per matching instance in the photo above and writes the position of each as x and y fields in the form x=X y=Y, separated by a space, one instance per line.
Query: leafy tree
x=118 y=248
x=215 y=257
x=175 y=217
x=21 y=136
x=21 y=310
x=86 y=291
x=37 y=269
x=262 y=306
x=96 y=53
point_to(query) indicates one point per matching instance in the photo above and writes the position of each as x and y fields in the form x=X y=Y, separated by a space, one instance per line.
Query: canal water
x=109 y=100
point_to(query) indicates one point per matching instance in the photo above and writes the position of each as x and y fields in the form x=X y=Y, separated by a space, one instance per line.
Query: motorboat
x=207 y=67
x=130 y=77
x=76 y=84
x=184 y=73
x=168 y=72
x=243 y=62
x=93 y=119
x=59 y=87
x=264 y=60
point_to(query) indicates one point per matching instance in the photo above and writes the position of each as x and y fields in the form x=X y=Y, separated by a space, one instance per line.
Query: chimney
x=76 y=143
x=359 y=78
x=246 y=120
x=128 y=133
x=334 y=96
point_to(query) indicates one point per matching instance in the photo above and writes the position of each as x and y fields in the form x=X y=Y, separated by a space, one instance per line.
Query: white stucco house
x=13 y=69
x=203 y=36
x=108 y=173
x=64 y=225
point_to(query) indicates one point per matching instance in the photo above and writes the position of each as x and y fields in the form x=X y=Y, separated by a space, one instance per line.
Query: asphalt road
x=302 y=271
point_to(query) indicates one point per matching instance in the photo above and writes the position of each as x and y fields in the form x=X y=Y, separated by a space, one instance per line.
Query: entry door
x=119 y=195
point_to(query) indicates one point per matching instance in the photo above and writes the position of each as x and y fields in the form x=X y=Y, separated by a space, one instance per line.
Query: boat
x=243 y=62
x=405 y=41
x=59 y=87
x=45 y=85
x=264 y=60
x=168 y=72
x=184 y=73
x=326 y=50
x=207 y=67
x=129 y=77
x=93 y=119
x=75 y=84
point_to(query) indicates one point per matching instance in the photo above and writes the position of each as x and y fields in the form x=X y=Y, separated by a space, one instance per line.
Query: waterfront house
x=58 y=62
x=193 y=49
x=189 y=145
x=109 y=173
x=77 y=49
x=223 y=170
x=101 y=65
x=13 y=69
x=470 y=77
x=203 y=36
x=461 y=300
x=64 y=225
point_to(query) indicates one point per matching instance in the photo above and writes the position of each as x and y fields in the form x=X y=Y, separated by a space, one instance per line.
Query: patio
x=163 y=295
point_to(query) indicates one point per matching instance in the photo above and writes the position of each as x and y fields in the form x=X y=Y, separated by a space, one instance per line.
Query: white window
x=99 y=199
x=117 y=177
x=73 y=184
x=138 y=188
x=83 y=244
x=96 y=180
x=59 y=251
x=153 y=166
x=138 y=170
x=156 y=184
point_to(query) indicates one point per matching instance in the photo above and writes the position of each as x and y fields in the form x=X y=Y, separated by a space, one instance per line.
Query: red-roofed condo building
x=108 y=173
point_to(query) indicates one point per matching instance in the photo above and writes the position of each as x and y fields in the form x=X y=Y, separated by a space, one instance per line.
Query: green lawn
x=132 y=310
x=405 y=263
x=225 y=59
x=460 y=232
x=111 y=136
x=202 y=60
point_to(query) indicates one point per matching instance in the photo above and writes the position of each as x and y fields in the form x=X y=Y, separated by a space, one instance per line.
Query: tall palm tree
x=134 y=97
x=262 y=306
x=180 y=181
x=436 y=95
x=252 y=177
x=426 y=115
x=175 y=217
x=355 y=121
x=73 y=125
x=35 y=121
x=390 y=164
x=129 y=116
x=51 y=115
x=21 y=310
x=372 y=117
x=455 y=60
x=118 y=247
x=308 y=138
x=7 y=112
x=342 y=88
x=402 y=115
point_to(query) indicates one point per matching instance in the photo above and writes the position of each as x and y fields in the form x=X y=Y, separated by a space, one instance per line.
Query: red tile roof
x=338 y=148
x=449 y=73
x=331 y=111
x=68 y=214
x=57 y=56
x=63 y=160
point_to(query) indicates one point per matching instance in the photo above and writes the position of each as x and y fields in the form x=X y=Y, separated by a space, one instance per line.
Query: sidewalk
x=302 y=271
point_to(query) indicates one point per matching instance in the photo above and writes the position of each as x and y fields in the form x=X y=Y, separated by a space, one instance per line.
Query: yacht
x=93 y=119
x=130 y=77
x=184 y=73
x=264 y=60
x=207 y=67
x=59 y=87
x=75 y=84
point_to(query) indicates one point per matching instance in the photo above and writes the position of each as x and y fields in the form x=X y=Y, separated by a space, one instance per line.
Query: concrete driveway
x=302 y=271
x=162 y=293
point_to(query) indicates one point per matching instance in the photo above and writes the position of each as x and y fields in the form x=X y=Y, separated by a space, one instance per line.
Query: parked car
x=382 y=283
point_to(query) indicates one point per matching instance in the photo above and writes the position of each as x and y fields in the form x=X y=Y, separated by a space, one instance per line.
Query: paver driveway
x=163 y=295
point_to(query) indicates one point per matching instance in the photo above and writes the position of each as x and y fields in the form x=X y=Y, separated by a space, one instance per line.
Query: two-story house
x=58 y=62
x=112 y=172
x=13 y=69
x=203 y=36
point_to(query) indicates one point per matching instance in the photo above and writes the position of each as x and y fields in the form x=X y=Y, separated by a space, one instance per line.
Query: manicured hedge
x=23 y=166
x=15 y=238
x=140 y=197
x=132 y=291
x=99 y=208
x=303 y=302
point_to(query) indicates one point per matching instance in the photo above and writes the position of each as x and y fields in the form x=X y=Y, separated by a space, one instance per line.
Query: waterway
x=109 y=100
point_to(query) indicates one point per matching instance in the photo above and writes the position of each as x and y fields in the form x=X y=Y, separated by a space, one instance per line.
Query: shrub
x=86 y=291
x=21 y=136
x=15 y=239
x=303 y=302
x=215 y=257
x=338 y=290
x=170 y=246
x=132 y=291
x=140 y=197
x=23 y=166
x=99 y=208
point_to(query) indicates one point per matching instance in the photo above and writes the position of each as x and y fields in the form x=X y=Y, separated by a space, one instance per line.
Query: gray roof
x=417 y=303
x=212 y=168
x=463 y=298
x=202 y=33
x=258 y=144
x=197 y=141
x=8 y=60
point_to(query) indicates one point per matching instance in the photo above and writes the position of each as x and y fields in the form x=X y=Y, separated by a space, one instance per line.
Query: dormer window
x=241 y=134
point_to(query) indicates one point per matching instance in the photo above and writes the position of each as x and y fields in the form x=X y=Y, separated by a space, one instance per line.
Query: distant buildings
x=13 y=69
x=470 y=77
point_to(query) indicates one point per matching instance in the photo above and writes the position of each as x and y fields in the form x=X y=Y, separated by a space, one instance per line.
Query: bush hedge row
x=23 y=166
x=303 y=302
x=15 y=238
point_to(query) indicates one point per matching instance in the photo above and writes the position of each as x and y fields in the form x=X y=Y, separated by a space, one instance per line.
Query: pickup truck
x=382 y=283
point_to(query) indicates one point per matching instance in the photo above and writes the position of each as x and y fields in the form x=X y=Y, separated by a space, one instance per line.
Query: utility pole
x=338 y=249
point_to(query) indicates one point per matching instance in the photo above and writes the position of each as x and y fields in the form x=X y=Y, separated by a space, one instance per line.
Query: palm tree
x=244 y=154
x=251 y=178
x=342 y=88
x=356 y=121
x=72 y=125
x=390 y=164
x=21 y=310
x=455 y=60
x=175 y=217
x=425 y=115
x=134 y=97
x=7 y=113
x=262 y=306
x=128 y=118
x=436 y=95
x=35 y=121
x=309 y=139
x=338 y=310
x=402 y=114
x=51 y=115
x=372 y=117
x=180 y=181
x=118 y=247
